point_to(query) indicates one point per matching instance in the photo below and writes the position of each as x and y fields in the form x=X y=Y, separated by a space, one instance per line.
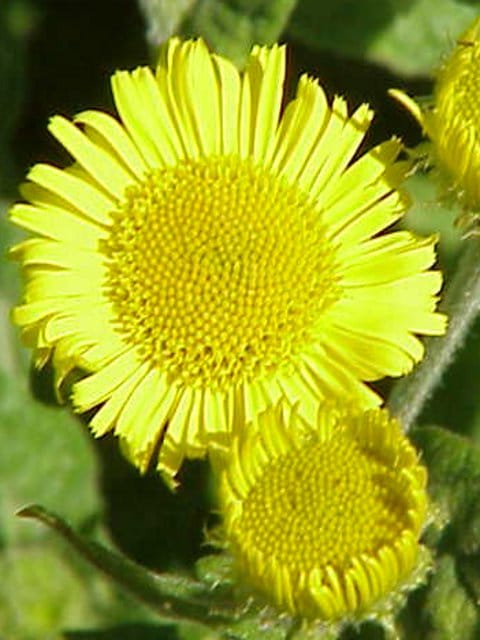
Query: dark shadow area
x=125 y=632
x=454 y=403
x=42 y=384
x=73 y=50
x=367 y=631
x=13 y=57
x=156 y=527
x=412 y=619
x=361 y=82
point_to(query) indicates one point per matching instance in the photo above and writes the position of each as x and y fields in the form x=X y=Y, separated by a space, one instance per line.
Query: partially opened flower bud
x=324 y=520
x=452 y=122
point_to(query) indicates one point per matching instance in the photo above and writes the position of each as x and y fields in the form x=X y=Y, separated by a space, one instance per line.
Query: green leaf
x=13 y=361
x=44 y=590
x=232 y=27
x=253 y=627
x=215 y=569
x=9 y=272
x=453 y=463
x=410 y=37
x=449 y=610
x=428 y=216
x=163 y=17
x=469 y=573
x=45 y=456
x=39 y=593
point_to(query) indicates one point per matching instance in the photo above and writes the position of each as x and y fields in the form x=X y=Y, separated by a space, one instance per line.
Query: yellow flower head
x=325 y=520
x=453 y=121
x=207 y=255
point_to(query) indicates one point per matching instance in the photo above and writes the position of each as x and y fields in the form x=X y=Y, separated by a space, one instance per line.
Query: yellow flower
x=324 y=520
x=207 y=255
x=452 y=122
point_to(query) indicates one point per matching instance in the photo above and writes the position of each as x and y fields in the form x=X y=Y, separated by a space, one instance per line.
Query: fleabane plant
x=209 y=254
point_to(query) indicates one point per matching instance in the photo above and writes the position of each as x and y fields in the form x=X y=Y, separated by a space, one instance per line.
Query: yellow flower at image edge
x=207 y=255
x=452 y=122
x=324 y=520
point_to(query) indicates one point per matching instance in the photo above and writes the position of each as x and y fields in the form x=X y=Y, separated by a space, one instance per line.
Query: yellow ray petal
x=115 y=137
x=99 y=386
x=228 y=82
x=300 y=133
x=47 y=253
x=135 y=116
x=101 y=166
x=81 y=194
x=58 y=224
x=390 y=257
x=106 y=417
x=338 y=145
x=266 y=72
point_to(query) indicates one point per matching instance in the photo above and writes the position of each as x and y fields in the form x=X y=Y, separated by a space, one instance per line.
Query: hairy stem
x=461 y=303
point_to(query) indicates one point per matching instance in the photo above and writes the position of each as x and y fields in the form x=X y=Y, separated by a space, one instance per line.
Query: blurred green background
x=56 y=56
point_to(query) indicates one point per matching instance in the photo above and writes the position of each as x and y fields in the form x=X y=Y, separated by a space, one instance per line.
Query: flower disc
x=202 y=281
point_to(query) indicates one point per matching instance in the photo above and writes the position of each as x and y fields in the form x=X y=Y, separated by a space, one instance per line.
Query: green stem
x=461 y=303
x=173 y=598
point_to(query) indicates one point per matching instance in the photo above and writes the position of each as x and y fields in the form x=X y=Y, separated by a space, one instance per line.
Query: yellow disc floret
x=218 y=270
x=324 y=521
